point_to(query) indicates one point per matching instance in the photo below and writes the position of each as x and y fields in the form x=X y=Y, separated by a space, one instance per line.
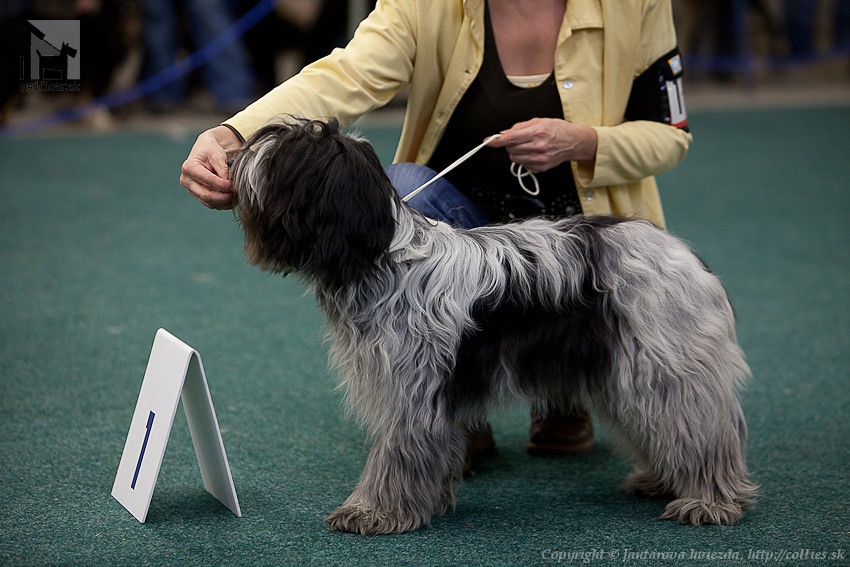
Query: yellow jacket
x=436 y=47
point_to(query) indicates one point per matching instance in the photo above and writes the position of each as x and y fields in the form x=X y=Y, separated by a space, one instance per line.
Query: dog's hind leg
x=712 y=486
x=695 y=456
x=408 y=478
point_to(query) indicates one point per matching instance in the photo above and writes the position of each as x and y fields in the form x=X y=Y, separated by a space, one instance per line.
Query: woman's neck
x=526 y=33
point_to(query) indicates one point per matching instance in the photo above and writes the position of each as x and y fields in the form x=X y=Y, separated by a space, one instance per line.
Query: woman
x=586 y=95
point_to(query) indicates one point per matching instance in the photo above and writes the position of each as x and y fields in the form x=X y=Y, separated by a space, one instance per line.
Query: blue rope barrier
x=151 y=84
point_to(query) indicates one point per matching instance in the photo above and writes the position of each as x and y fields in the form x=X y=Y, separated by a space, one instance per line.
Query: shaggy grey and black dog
x=431 y=324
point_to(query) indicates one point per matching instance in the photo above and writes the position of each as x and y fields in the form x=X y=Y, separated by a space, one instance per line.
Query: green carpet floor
x=100 y=246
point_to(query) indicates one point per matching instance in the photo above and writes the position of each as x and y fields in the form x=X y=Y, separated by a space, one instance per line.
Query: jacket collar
x=583 y=14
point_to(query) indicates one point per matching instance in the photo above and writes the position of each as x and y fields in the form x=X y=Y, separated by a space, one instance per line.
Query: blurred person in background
x=228 y=77
x=308 y=29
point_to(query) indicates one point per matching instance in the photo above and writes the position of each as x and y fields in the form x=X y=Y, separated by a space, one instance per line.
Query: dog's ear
x=354 y=213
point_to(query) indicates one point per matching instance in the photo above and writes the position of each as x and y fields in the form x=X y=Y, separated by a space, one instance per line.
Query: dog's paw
x=696 y=512
x=356 y=520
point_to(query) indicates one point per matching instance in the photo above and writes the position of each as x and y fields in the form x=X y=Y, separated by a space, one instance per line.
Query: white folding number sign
x=174 y=372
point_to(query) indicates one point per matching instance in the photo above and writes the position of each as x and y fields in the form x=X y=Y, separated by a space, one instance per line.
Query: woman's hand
x=205 y=173
x=541 y=144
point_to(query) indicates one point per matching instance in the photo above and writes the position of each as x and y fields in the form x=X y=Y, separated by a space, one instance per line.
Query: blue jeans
x=441 y=200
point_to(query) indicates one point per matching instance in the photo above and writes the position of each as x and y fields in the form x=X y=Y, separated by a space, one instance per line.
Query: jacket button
x=589 y=195
x=568 y=84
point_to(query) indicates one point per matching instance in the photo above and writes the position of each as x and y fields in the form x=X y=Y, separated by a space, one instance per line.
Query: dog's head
x=313 y=201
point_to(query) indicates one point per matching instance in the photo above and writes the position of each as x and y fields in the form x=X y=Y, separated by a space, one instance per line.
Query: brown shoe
x=560 y=434
x=479 y=446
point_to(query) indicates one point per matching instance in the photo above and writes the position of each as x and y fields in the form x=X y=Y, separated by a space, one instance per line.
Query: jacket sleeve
x=349 y=82
x=630 y=150
x=634 y=150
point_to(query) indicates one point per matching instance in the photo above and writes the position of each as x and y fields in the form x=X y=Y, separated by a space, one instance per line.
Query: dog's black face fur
x=313 y=201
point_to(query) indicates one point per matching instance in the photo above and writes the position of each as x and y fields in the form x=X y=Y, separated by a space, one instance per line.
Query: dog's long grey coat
x=431 y=325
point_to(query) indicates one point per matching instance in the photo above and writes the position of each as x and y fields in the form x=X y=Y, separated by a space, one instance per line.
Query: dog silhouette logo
x=54 y=51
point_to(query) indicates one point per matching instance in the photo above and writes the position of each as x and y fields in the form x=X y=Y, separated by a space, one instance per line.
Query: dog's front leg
x=407 y=479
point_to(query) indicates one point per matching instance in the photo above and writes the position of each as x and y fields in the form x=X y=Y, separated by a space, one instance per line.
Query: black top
x=492 y=104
